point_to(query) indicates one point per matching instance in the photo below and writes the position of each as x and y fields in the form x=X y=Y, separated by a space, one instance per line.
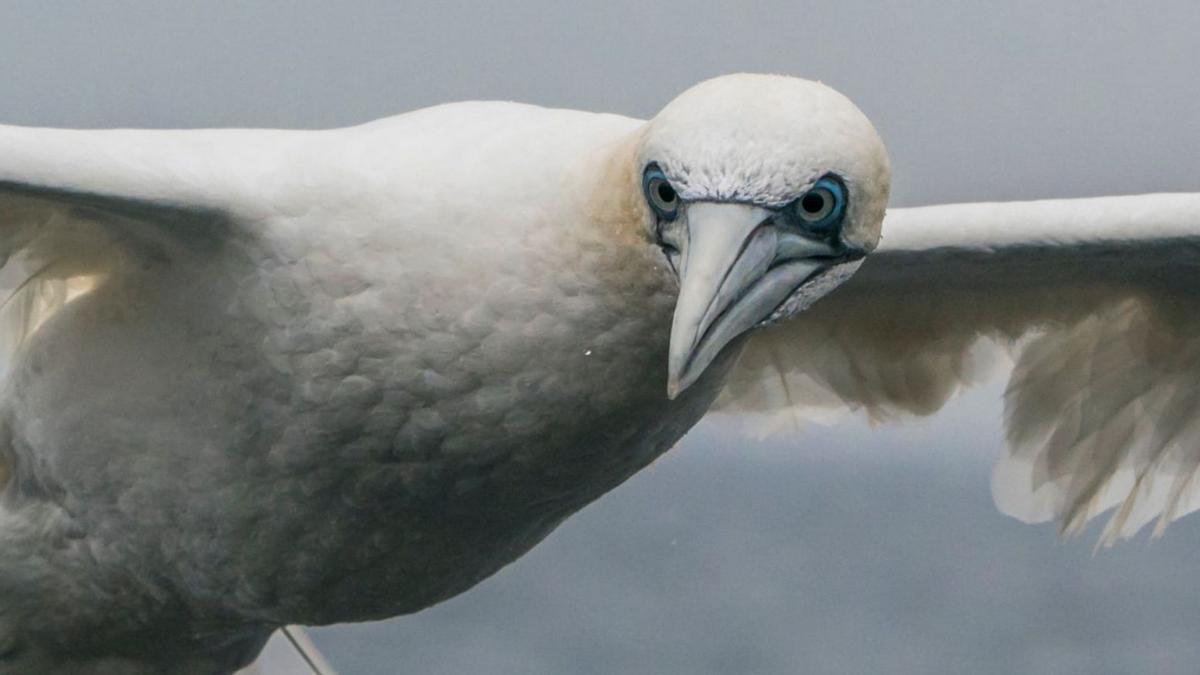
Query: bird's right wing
x=77 y=206
x=80 y=203
x=1094 y=300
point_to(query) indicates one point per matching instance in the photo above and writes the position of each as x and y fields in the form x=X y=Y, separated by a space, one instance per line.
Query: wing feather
x=1091 y=301
x=76 y=207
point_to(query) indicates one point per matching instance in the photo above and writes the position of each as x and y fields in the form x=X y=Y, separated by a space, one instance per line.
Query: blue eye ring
x=660 y=194
x=823 y=205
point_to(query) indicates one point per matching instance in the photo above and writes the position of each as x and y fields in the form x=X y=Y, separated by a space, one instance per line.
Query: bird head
x=764 y=193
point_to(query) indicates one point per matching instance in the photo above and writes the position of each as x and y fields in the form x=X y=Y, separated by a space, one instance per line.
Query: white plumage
x=264 y=377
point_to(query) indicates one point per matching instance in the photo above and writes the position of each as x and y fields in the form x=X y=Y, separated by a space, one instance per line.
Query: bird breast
x=317 y=427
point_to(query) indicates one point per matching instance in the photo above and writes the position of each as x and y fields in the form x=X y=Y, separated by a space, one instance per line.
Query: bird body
x=360 y=376
x=268 y=377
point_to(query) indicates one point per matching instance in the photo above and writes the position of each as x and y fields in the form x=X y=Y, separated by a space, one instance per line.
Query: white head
x=765 y=192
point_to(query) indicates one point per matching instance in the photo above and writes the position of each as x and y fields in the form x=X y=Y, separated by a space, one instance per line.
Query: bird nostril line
x=672 y=254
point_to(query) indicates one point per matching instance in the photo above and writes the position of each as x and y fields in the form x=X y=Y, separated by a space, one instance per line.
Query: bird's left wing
x=1093 y=299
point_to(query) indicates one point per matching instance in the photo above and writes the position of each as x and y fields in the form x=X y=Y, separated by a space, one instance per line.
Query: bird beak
x=738 y=264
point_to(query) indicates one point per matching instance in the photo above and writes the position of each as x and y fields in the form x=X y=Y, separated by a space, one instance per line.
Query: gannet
x=256 y=378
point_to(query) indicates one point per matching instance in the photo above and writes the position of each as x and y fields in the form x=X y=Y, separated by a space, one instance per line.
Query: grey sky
x=976 y=100
x=840 y=550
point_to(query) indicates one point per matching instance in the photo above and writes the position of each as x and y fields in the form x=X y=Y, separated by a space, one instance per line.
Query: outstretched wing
x=78 y=206
x=1095 y=301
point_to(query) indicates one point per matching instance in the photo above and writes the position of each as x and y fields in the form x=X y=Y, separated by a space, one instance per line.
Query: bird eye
x=816 y=204
x=823 y=204
x=662 y=197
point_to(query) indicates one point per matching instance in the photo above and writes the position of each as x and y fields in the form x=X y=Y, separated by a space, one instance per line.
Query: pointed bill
x=737 y=268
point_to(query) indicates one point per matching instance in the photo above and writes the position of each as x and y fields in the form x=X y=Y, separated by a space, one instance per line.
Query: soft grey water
x=836 y=550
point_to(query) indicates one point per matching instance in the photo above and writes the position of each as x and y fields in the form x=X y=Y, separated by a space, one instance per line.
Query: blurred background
x=839 y=548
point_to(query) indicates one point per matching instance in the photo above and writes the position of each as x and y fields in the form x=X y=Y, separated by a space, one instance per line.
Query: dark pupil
x=666 y=193
x=812 y=203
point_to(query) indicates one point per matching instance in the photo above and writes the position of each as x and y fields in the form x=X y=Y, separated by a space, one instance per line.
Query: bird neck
x=610 y=188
